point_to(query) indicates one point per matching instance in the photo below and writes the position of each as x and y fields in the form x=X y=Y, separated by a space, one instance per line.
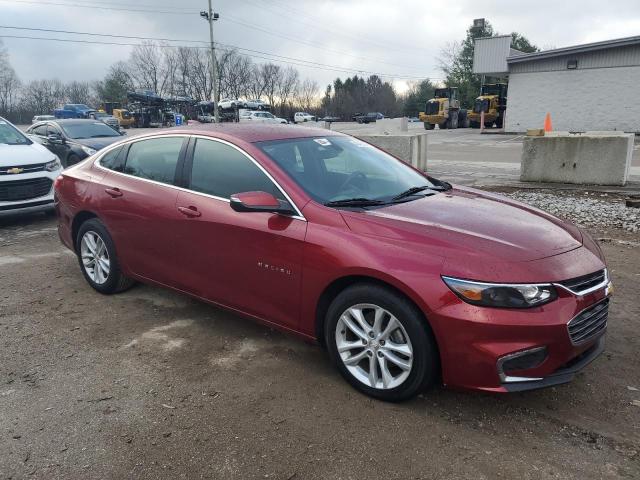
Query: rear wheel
x=428 y=126
x=98 y=260
x=380 y=343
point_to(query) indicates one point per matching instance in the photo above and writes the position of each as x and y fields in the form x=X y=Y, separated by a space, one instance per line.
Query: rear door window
x=220 y=170
x=113 y=159
x=155 y=159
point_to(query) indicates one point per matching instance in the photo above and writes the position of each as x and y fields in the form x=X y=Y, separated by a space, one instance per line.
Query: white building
x=595 y=86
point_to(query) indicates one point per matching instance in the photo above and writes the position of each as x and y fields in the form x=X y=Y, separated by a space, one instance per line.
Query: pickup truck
x=369 y=117
x=73 y=110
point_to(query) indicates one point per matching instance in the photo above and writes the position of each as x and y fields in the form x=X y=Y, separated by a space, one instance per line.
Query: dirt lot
x=150 y=384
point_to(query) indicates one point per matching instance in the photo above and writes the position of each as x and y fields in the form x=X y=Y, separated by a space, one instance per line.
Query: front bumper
x=475 y=340
x=564 y=374
x=41 y=203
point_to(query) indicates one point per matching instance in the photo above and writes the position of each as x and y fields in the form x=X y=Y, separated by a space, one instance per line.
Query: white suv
x=259 y=117
x=27 y=173
x=301 y=117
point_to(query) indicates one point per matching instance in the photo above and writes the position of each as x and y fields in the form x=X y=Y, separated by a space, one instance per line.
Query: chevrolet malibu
x=405 y=279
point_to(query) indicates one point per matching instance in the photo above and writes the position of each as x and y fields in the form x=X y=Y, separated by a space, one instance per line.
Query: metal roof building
x=594 y=86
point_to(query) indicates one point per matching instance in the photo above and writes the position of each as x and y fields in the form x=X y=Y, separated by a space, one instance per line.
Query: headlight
x=53 y=165
x=88 y=150
x=502 y=295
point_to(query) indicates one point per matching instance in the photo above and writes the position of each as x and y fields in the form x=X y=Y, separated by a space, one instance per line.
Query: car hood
x=14 y=155
x=469 y=223
x=97 y=143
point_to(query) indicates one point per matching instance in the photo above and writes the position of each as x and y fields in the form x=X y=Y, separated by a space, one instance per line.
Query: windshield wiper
x=354 y=202
x=412 y=191
x=102 y=136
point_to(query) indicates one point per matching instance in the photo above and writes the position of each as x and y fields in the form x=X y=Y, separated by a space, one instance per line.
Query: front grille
x=17 y=190
x=579 y=285
x=38 y=167
x=589 y=322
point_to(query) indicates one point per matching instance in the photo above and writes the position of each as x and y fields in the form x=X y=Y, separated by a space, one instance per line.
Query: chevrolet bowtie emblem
x=15 y=170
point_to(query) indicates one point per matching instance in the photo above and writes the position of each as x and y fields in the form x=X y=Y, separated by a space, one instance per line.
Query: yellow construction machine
x=493 y=102
x=444 y=110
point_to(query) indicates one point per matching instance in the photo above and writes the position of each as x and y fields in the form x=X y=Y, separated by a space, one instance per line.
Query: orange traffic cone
x=547 y=123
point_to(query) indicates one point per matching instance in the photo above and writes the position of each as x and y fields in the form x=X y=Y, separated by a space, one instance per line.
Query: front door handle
x=189 y=211
x=113 y=192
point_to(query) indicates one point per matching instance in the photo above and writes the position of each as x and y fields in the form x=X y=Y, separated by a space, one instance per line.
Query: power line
x=308 y=64
x=228 y=17
x=99 y=7
x=283 y=10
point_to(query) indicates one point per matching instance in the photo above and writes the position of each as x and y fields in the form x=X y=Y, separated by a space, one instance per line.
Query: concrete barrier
x=598 y=158
x=389 y=125
x=409 y=147
x=325 y=125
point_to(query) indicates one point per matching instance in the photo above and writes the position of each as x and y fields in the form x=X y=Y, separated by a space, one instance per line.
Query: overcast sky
x=399 y=38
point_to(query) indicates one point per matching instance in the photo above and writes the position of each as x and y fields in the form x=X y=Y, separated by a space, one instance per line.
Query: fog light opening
x=519 y=361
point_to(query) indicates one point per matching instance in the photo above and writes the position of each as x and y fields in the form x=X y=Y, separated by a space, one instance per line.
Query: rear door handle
x=114 y=192
x=189 y=211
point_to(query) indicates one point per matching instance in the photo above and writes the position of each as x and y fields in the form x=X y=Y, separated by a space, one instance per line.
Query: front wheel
x=381 y=343
x=98 y=260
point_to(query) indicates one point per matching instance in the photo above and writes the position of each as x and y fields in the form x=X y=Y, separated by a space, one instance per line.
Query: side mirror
x=55 y=139
x=259 y=202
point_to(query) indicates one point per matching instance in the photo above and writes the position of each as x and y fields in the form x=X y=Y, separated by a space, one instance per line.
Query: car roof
x=253 y=133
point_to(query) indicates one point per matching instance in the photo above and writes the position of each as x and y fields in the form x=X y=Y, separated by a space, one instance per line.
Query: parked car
x=369 y=117
x=256 y=105
x=301 y=117
x=230 y=103
x=27 y=172
x=73 y=110
x=107 y=119
x=404 y=278
x=73 y=140
x=260 y=117
x=42 y=118
x=329 y=119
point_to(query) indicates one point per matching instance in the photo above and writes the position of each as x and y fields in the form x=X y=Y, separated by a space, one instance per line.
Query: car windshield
x=89 y=130
x=335 y=168
x=9 y=135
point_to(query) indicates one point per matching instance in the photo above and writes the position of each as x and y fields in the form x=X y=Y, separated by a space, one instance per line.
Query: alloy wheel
x=374 y=346
x=95 y=257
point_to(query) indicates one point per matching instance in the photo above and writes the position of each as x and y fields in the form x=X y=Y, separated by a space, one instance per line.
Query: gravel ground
x=587 y=209
x=150 y=384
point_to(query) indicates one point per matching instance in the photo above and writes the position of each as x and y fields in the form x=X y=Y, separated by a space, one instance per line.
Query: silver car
x=106 y=118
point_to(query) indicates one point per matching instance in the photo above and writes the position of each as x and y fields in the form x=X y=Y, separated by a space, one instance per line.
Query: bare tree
x=9 y=83
x=146 y=67
x=306 y=97
x=287 y=84
x=79 y=92
x=236 y=77
x=43 y=96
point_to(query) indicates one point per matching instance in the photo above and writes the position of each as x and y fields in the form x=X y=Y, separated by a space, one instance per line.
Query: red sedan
x=407 y=280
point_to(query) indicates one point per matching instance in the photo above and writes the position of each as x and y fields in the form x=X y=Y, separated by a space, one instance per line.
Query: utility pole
x=212 y=17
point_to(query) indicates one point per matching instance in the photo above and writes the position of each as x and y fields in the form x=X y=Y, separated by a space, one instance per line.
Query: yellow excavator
x=444 y=110
x=493 y=102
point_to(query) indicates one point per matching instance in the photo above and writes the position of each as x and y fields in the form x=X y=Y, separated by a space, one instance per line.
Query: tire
x=453 y=120
x=474 y=124
x=444 y=125
x=411 y=333
x=428 y=126
x=111 y=282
